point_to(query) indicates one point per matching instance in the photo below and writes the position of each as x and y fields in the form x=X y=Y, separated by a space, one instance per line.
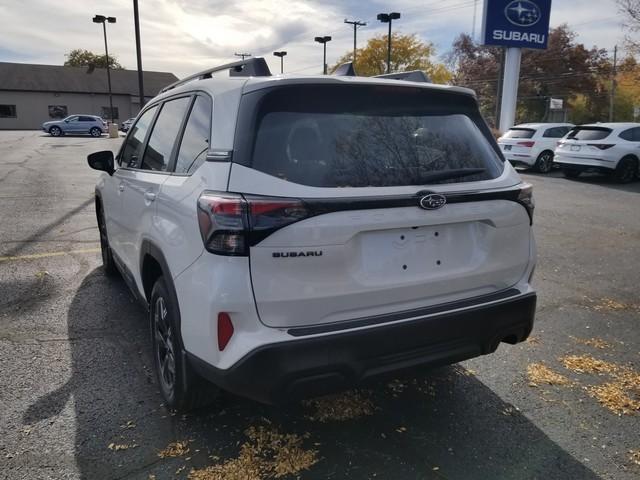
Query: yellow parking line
x=48 y=254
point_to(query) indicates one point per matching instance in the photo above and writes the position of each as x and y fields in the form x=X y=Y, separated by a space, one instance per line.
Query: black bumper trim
x=319 y=365
x=585 y=168
x=407 y=314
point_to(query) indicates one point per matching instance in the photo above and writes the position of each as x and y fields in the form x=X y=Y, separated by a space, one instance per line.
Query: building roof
x=58 y=78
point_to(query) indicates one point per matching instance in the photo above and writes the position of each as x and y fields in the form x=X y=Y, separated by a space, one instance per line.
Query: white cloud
x=184 y=36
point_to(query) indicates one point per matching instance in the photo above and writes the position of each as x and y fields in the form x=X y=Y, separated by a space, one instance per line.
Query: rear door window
x=556 y=132
x=366 y=136
x=520 y=133
x=631 y=135
x=163 y=137
x=589 y=133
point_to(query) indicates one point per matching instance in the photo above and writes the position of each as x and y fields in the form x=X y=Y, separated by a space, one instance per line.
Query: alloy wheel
x=545 y=163
x=163 y=335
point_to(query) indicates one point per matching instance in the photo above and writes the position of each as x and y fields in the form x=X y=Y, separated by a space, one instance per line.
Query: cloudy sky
x=184 y=36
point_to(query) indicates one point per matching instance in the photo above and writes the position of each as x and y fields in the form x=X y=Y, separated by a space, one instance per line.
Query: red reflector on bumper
x=225 y=330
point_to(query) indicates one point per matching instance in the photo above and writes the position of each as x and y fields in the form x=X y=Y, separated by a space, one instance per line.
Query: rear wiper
x=449 y=174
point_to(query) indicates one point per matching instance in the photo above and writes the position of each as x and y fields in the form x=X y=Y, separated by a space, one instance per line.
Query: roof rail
x=412 y=76
x=345 y=70
x=251 y=67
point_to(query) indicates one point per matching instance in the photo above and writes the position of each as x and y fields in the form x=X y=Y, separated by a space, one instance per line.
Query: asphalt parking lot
x=79 y=399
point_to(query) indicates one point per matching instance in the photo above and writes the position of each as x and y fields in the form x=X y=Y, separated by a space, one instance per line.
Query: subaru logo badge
x=433 y=201
x=523 y=13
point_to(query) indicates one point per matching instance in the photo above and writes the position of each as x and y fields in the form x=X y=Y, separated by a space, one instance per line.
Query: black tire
x=544 y=163
x=571 y=173
x=108 y=263
x=55 y=131
x=95 y=132
x=626 y=170
x=181 y=387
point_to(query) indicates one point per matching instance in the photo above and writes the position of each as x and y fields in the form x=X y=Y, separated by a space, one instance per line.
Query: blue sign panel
x=516 y=23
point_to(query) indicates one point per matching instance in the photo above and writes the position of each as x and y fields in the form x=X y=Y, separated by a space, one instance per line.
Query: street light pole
x=388 y=18
x=136 y=24
x=103 y=20
x=355 y=24
x=242 y=55
x=281 y=55
x=323 y=41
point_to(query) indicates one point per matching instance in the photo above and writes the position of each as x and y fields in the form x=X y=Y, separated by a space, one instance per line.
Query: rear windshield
x=589 y=133
x=520 y=133
x=362 y=136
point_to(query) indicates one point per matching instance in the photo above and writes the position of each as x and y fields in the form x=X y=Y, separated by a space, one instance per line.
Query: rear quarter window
x=364 y=136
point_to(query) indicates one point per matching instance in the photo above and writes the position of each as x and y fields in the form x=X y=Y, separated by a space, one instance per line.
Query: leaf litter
x=175 y=449
x=339 y=407
x=622 y=395
x=541 y=374
x=266 y=454
x=593 y=342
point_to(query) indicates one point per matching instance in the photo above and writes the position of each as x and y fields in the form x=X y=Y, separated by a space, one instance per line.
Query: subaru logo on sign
x=433 y=201
x=523 y=13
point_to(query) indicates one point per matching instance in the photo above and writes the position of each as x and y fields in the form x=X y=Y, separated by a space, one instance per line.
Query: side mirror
x=102 y=161
x=66 y=121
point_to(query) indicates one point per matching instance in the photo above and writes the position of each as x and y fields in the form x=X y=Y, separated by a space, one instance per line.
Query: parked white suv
x=292 y=235
x=610 y=148
x=531 y=145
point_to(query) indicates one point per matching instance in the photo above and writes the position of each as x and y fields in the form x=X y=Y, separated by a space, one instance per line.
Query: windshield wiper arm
x=449 y=174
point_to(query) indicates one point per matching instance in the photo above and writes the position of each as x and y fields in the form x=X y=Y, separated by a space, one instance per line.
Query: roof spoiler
x=345 y=70
x=348 y=70
x=412 y=76
x=251 y=67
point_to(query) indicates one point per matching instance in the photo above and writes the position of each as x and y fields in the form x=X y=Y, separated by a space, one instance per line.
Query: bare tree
x=631 y=10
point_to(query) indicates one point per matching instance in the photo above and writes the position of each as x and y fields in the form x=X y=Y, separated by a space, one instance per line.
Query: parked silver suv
x=76 y=124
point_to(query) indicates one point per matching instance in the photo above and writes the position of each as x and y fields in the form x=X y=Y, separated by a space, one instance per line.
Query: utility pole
x=355 y=24
x=613 y=82
x=243 y=55
x=323 y=41
x=136 y=23
x=388 y=18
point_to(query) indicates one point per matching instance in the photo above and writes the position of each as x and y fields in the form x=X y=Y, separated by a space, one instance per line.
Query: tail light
x=526 y=144
x=525 y=198
x=231 y=223
x=601 y=146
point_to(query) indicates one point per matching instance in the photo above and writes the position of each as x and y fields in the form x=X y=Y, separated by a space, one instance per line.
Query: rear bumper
x=520 y=160
x=584 y=163
x=318 y=365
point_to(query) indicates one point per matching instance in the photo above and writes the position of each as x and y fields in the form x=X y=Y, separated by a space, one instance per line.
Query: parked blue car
x=77 y=125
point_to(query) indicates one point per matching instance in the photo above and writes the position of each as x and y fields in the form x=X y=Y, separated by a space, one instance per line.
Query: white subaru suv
x=292 y=236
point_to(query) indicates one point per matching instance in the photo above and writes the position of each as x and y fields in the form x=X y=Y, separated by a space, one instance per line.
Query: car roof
x=224 y=84
x=536 y=126
x=612 y=125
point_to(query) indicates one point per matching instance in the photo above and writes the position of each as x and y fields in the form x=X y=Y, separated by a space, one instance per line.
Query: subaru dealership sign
x=516 y=23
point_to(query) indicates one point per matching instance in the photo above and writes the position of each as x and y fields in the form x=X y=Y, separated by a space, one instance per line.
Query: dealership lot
x=80 y=400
